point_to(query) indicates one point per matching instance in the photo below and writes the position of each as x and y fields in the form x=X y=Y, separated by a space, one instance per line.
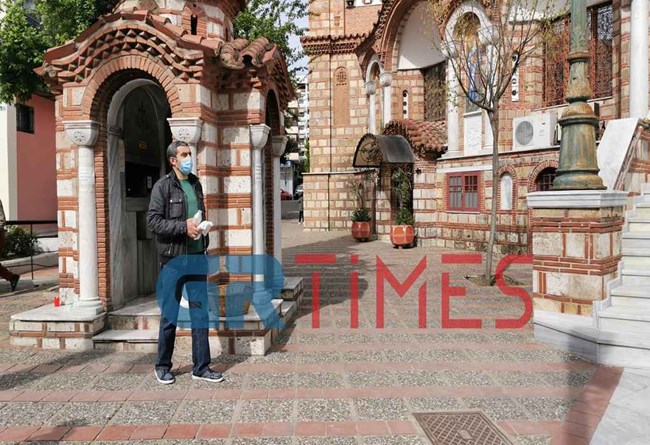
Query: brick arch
x=191 y=8
x=272 y=112
x=111 y=75
x=532 y=179
x=101 y=89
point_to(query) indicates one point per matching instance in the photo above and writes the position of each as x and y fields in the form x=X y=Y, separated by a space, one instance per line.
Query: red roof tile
x=426 y=138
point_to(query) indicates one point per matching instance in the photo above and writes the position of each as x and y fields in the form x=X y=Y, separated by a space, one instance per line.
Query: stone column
x=188 y=130
x=639 y=59
x=84 y=135
x=279 y=145
x=576 y=247
x=259 y=135
x=386 y=80
x=371 y=89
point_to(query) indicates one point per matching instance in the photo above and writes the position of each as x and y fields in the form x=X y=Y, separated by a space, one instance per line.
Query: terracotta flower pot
x=361 y=231
x=402 y=236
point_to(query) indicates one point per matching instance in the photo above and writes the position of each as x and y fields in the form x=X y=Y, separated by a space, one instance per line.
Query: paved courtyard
x=334 y=384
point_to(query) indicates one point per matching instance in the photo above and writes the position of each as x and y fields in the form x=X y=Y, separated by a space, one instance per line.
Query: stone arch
x=532 y=179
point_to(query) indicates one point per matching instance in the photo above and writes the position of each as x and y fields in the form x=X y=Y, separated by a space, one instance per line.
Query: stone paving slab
x=328 y=385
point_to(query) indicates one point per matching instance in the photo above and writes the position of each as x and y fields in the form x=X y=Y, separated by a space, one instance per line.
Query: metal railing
x=31 y=224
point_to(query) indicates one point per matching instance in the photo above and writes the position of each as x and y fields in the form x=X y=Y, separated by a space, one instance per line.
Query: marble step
x=577 y=334
x=625 y=319
x=631 y=296
x=634 y=240
x=242 y=341
x=635 y=277
x=639 y=223
x=643 y=209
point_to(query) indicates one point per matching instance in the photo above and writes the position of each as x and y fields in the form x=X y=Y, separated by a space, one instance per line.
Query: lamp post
x=578 y=167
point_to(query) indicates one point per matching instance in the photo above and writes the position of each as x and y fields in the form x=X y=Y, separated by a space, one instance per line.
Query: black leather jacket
x=167 y=215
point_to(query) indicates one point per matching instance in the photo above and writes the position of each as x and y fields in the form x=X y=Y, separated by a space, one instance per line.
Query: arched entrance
x=138 y=134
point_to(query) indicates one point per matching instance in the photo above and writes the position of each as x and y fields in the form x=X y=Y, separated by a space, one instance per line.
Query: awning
x=374 y=150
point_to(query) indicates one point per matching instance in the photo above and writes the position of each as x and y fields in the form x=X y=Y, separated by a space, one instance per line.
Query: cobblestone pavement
x=333 y=384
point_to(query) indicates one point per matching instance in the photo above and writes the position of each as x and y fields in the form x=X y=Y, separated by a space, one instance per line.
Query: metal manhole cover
x=461 y=428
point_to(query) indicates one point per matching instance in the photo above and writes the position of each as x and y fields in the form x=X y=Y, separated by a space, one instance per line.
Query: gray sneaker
x=209 y=376
x=163 y=376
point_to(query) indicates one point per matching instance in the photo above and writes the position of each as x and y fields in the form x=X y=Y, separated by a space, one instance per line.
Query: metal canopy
x=373 y=150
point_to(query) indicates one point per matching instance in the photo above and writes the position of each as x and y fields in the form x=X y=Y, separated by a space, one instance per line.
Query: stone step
x=625 y=319
x=639 y=224
x=631 y=296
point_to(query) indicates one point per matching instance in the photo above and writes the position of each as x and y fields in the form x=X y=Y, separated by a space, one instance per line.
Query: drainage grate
x=461 y=428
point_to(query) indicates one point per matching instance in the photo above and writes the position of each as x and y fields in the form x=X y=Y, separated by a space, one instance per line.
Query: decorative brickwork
x=576 y=253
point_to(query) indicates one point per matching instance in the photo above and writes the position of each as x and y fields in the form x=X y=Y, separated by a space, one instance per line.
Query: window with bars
x=435 y=94
x=544 y=181
x=463 y=192
x=556 y=68
x=24 y=118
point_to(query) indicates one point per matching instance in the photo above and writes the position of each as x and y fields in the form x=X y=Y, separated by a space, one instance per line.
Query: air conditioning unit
x=534 y=131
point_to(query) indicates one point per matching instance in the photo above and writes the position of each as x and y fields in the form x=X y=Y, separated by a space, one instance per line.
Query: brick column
x=576 y=247
x=84 y=135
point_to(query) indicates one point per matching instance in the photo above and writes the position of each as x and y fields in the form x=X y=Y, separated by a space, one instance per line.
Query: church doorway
x=138 y=137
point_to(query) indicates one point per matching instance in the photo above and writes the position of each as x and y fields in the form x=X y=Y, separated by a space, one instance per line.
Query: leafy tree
x=484 y=59
x=26 y=33
x=278 y=21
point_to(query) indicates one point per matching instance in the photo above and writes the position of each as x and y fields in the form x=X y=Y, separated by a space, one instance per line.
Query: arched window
x=505 y=191
x=341 y=97
x=544 y=181
x=194 y=24
x=405 y=104
x=466 y=31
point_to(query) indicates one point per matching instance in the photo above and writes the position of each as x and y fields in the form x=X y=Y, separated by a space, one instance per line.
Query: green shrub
x=404 y=217
x=19 y=243
x=361 y=215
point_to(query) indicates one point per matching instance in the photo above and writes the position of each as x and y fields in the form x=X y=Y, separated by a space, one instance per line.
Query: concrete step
x=625 y=319
x=631 y=296
x=636 y=259
x=639 y=224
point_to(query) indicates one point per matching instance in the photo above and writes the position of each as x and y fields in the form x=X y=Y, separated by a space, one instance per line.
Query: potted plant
x=361 y=229
x=402 y=233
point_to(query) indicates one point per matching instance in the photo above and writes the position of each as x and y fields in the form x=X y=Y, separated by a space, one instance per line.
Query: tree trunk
x=494 y=124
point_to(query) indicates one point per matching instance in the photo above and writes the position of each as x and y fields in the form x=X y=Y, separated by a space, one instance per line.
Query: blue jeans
x=199 y=322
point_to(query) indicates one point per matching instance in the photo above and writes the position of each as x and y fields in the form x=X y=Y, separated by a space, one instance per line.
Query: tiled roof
x=426 y=138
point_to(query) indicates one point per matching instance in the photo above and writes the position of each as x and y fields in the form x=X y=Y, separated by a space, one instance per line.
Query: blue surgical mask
x=185 y=166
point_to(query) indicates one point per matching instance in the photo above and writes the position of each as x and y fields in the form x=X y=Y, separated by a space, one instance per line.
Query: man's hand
x=192 y=228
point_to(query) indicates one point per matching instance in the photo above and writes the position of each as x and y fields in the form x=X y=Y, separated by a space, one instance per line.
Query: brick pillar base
x=576 y=247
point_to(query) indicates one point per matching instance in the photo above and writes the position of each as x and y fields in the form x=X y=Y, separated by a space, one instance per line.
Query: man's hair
x=172 y=149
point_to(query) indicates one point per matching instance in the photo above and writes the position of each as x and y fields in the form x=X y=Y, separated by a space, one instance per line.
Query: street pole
x=578 y=167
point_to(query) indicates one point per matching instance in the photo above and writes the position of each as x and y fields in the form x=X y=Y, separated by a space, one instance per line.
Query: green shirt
x=192 y=206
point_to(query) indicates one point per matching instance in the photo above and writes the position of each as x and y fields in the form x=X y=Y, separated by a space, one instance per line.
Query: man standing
x=175 y=198
x=4 y=273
